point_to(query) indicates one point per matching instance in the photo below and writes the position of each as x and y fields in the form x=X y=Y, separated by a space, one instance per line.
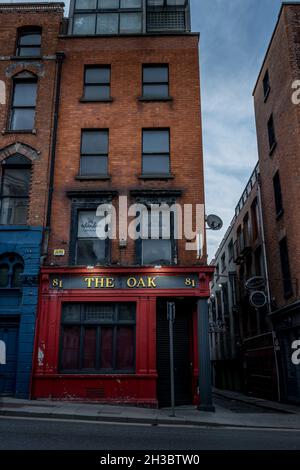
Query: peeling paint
x=41 y=356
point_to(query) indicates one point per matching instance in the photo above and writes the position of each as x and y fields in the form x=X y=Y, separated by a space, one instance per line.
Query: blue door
x=9 y=335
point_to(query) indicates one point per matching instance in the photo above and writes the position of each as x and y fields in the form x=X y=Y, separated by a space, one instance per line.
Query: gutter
x=59 y=62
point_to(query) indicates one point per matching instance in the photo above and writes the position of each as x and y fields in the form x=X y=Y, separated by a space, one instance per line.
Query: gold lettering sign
x=100 y=282
x=138 y=282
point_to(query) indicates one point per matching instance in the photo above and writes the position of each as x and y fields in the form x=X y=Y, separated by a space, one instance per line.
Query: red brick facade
x=283 y=67
x=35 y=145
x=125 y=117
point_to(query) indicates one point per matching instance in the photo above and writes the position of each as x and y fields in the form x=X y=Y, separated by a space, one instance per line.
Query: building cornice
x=41 y=6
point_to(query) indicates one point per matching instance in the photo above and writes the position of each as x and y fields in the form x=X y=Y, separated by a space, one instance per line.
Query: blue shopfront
x=20 y=252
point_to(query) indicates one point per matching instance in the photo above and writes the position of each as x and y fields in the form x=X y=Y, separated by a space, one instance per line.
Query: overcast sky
x=234 y=38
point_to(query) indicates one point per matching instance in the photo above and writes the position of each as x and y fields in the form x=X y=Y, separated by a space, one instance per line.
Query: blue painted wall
x=26 y=242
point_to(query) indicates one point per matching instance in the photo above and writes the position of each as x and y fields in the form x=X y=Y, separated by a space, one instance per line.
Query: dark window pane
x=126 y=312
x=100 y=312
x=156 y=164
x=266 y=83
x=85 y=4
x=155 y=74
x=13 y=211
x=93 y=166
x=16 y=159
x=277 y=193
x=30 y=39
x=155 y=141
x=125 y=348
x=17 y=278
x=22 y=119
x=271 y=132
x=97 y=92
x=4 y=275
x=84 y=24
x=90 y=252
x=70 y=347
x=29 y=51
x=157 y=91
x=97 y=75
x=156 y=251
x=130 y=23
x=285 y=267
x=95 y=142
x=25 y=94
x=71 y=313
x=106 y=348
x=16 y=182
x=130 y=4
x=108 y=23
x=89 y=348
x=108 y=4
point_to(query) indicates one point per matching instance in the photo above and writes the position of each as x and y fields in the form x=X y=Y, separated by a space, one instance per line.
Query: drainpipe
x=59 y=62
x=267 y=280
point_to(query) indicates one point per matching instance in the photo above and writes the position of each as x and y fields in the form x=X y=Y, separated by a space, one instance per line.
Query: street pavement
x=41 y=434
x=230 y=411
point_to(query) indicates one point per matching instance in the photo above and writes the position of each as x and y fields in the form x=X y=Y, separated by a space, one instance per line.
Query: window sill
x=93 y=177
x=89 y=100
x=267 y=94
x=153 y=98
x=279 y=215
x=272 y=149
x=24 y=57
x=156 y=177
x=19 y=131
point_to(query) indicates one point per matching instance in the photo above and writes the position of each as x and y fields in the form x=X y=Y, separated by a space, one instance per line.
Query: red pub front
x=103 y=334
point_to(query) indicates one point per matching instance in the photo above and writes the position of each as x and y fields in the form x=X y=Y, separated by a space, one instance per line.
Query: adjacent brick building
x=129 y=125
x=28 y=73
x=242 y=346
x=277 y=121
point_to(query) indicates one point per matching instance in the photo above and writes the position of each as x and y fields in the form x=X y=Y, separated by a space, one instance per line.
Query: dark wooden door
x=182 y=362
x=9 y=335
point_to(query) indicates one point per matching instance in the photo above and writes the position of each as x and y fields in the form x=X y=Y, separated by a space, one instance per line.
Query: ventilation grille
x=166 y=20
x=95 y=392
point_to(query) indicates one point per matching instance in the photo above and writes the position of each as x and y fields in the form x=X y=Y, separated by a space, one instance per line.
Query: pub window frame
x=87 y=206
x=166 y=155
x=97 y=11
x=12 y=163
x=173 y=241
x=94 y=155
x=84 y=324
x=145 y=83
x=278 y=195
x=271 y=134
x=100 y=84
x=20 y=79
x=26 y=31
x=12 y=261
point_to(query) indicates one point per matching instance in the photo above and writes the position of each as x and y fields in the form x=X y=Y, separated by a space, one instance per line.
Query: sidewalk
x=187 y=415
x=258 y=402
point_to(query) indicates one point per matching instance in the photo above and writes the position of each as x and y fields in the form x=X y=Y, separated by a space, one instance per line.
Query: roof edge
x=283 y=5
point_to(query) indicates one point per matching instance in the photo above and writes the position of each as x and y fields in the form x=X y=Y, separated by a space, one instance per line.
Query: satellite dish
x=214 y=222
x=255 y=283
x=258 y=299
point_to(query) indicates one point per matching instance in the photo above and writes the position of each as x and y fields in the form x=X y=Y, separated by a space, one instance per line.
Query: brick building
x=130 y=126
x=28 y=70
x=242 y=346
x=277 y=122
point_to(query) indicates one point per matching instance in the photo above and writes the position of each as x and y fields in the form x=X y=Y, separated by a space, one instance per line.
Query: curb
x=124 y=419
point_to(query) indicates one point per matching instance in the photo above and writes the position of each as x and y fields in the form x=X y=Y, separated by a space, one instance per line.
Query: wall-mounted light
x=89 y=266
